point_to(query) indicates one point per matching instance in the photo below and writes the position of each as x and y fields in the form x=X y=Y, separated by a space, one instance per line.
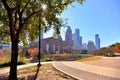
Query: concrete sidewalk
x=83 y=71
x=5 y=70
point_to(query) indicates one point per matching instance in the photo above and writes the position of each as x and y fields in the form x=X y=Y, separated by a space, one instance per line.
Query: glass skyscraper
x=97 y=41
x=68 y=35
x=77 y=32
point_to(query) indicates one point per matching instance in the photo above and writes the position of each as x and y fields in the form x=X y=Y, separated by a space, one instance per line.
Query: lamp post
x=43 y=7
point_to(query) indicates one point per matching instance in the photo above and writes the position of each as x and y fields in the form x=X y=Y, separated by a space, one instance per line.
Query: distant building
x=41 y=35
x=59 y=38
x=68 y=35
x=3 y=46
x=80 y=42
x=97 y=41
x=77 y=32
x=77 y=40
x=51 y=45
x=84 y=46
x=91 y=46
x=75 y=45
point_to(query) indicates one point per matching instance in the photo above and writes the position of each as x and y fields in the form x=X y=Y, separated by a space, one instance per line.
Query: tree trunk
x=14 y=56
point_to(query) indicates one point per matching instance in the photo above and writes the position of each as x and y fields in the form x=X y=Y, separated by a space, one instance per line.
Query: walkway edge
x=106 y=71
x=65 y=72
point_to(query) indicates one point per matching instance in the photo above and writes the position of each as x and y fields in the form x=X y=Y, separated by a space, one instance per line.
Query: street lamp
x=43 y=7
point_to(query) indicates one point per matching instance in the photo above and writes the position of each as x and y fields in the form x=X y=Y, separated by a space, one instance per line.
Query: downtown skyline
x=94 y=17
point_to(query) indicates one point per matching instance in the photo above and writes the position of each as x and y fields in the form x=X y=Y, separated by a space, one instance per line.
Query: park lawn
x=89 y=58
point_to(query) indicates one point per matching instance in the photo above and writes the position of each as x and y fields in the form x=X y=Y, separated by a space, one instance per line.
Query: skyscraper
x=41 y=34
x=77 y=32
x=84 y=46
x=77 y=40
x=75 y=45
x=97 y=41
x=68 y=35
x=80 y=42
x=91 y=46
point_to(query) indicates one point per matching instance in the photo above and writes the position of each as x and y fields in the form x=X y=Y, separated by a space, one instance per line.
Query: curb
x=65 y=72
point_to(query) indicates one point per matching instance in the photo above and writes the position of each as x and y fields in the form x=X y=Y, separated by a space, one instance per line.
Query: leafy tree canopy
x=19 y=19
x=25 y=15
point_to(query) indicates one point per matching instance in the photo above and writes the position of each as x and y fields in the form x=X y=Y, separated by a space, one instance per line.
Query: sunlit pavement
x=5 y=70
x=104 y=69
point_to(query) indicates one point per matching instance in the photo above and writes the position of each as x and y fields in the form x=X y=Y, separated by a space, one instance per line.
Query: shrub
x=79 y=55
x=64 y=56
x=5 y=60
x=47 y=59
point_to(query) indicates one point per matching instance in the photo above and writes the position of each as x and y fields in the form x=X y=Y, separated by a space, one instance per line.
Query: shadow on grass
x=39 y=65
x=7 y=64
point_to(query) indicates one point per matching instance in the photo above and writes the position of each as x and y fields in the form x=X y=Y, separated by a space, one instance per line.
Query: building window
x=53 y=48
x=58 y=48
x=63 y=49
x=47 y=47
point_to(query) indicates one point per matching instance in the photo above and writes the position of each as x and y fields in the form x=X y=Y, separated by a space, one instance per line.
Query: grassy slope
x=90 y=58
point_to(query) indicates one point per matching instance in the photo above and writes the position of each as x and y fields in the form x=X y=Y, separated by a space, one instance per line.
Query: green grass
x=6 y=64
x=5 y=61
x=89 y=58
x=47 y=59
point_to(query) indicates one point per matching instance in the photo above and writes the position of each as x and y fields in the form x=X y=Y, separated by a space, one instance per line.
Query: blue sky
x=94 y=17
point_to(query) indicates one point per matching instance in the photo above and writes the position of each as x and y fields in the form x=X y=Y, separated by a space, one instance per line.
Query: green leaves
x=28 y=14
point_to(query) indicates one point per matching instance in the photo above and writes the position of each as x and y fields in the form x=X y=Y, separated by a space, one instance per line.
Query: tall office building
x=80 y=42
x=77 y=32
x=75 y=45
x=91 y=46
x=68 y=35
x=97 y=41
x=84 y=46
x=77 y=40
x=41 y=34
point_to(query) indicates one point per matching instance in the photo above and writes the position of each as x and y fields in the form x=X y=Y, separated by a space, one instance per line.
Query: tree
x=33 y=51
x=19 y=19
x=1 y=51
x=117 y=47
x=65 y=55
x=104 y=51
x=7 y=51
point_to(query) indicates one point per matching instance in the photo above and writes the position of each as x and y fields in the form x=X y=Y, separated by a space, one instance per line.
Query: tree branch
x=24 y=7
x=5 y=32
x=25 y=20
x=10 y=17
x=15 y=18
x=15 y=8
x=5 y=4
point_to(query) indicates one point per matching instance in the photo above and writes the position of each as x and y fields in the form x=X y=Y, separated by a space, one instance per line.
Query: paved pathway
x=5 y=70
x=112 y=62
x=90 y=70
